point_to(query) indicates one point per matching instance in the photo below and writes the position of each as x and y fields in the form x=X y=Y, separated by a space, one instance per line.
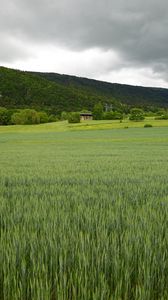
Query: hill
x=55 y=93
x=126 y=94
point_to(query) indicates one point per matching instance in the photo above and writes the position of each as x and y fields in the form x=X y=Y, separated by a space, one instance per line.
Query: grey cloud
x=12 y=50
x=136 y=29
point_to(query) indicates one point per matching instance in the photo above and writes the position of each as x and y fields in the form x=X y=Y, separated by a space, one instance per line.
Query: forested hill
x=127 y=94
x=56 y=93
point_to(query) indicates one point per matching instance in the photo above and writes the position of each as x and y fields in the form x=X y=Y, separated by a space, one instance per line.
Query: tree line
x=32 y=116
x=24 y=117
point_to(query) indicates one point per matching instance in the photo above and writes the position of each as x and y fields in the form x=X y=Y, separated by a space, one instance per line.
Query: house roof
x=89 y=114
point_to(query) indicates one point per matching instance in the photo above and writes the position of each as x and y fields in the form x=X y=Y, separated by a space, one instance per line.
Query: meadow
x=83 y=213
x=84 y=125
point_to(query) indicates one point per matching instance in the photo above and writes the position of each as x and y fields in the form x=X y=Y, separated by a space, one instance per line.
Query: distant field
x=84 y=214
x=90 y=125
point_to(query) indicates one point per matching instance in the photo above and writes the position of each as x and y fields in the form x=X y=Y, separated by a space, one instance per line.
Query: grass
x=84 y=125
x=83 y=214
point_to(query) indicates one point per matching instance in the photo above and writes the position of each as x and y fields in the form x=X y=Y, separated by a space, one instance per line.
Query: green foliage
x=117 y=93
x=64 y=116
x=137 y=114
x=83 y=215
x=162 y=117
x=112 y=115
x=98 y=111
x=84 y=110
x=148 y=125
x=55 y=93
x=74 y=117
x=31 y=90
x=26 y=117
x=162 y=112
x=43 y=117
x=52 y=118
x=5 y=116
x=165 y=117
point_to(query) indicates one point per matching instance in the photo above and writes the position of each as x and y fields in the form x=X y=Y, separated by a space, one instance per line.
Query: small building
x=86 y=116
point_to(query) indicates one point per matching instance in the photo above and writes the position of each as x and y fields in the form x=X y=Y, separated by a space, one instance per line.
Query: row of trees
x=31 y=116
x=98 y=114
x=24 y=116
x=136 y=114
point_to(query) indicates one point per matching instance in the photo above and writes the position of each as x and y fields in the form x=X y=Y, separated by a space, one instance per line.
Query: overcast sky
x=122 y=41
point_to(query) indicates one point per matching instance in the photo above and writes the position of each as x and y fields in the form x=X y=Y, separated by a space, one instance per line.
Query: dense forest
x=55 y=93
x=126 y=94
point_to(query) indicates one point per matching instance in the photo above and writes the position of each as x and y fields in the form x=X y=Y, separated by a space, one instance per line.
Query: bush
x=110 y=115
x=26 y=117
x=163 y=117
x=43 y=117
x=74 y=117
x=5 y=116
x=137 y=114
x=64 y=116
x=148 y=125
x=52 y=118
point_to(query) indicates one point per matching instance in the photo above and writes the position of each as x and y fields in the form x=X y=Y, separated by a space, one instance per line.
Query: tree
x=5 y=116
x=137 y=114
x=43 y=117
x=52 y=118
x=162 y=117
x=110 y=115
x=25 y=117
x=98 y=111
x=74 y=117
x=64 y=116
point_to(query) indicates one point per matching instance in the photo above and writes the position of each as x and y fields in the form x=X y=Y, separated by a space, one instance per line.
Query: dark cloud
x=135 y=29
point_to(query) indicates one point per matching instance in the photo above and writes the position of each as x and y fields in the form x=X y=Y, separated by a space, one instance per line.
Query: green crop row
x=84 y=215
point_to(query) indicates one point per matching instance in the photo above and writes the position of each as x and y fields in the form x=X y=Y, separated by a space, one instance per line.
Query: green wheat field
x=83 y=213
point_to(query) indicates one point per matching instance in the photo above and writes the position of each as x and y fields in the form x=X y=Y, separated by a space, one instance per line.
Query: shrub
x=26 y=117
x=52 y=118
x=43 y=117
x=162 y=117
x=148 y=125
x=137 y=114
x=5 y=116
x=110 y=115
x=74 y=117
x=64 y=116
